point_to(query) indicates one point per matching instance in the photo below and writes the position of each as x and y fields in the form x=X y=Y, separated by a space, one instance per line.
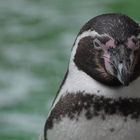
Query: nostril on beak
x=121 y=61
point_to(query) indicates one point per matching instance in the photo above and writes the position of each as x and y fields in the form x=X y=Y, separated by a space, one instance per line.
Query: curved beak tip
x=125 y=83
x=125 y=80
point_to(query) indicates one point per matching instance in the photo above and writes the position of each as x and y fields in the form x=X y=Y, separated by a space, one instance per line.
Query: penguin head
x=107 y=48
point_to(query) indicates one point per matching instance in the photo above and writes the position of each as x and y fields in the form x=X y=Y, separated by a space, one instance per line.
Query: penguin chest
x=91 y=117
x=98 y=128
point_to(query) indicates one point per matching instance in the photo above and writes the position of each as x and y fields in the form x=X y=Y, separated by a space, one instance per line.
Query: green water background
x=36 y=37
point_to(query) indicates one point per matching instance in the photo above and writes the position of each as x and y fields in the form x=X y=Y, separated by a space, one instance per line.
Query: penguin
x=99 y=98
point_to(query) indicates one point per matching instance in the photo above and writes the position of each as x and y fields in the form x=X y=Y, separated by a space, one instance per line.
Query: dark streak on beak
x=123 y=74
x=125 y=78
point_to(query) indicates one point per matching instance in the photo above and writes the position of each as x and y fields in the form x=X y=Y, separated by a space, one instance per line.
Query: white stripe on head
x=83 y=35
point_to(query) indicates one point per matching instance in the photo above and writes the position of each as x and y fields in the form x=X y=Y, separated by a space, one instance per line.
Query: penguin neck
x=78 y=81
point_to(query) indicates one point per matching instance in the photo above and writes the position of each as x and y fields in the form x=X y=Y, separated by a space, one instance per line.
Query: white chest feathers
x=113 y=128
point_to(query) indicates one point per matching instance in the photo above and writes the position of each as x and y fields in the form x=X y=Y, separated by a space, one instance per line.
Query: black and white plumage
x=100 y=95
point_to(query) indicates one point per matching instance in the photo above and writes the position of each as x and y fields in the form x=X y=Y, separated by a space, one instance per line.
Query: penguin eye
x=135 y=40
x=97 y=44
x=133 y=43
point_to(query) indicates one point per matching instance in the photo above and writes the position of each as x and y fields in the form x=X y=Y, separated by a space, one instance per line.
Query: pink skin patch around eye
x=106 y=56
x=132 y=45
x=109 y=44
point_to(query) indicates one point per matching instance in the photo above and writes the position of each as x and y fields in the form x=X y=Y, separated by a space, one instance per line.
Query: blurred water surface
x=35 y=42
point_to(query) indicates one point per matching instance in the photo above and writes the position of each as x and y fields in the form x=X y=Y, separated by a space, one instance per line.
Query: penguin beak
x=122 y=59
x=123 y=74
